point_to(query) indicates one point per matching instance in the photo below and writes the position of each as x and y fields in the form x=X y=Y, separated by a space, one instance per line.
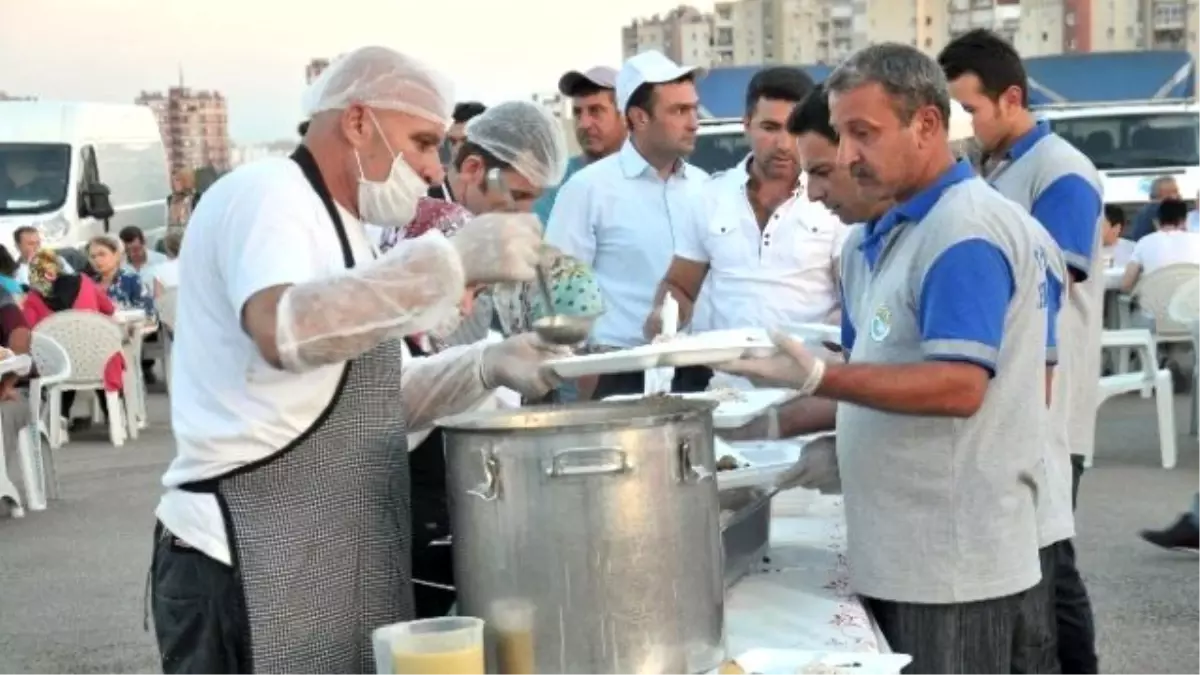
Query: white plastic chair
x=1149 y=380
x=166 y=319
x=1153 y=296
x=53 y=367
x=90 y=340
x=1184 y=309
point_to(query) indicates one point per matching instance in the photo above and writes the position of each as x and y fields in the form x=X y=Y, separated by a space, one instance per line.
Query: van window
x=33 y=177
x=719 y=151
x=1134 y=141
x=136 y=173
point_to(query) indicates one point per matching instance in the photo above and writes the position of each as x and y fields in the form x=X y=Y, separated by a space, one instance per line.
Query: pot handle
x=489 y=489
x=587 y=462
x=689 y=470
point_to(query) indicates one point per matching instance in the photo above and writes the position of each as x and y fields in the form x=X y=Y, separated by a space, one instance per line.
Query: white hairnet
x=382 y=78
x=524 y=136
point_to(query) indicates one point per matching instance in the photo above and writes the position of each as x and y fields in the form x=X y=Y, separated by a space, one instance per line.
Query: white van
x=77 y=170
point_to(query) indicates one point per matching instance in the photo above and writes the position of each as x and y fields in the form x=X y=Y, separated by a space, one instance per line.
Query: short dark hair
x=812 y=116
x=585 y=87
x=1115 y=215
x=989 y=57
x=643 y=96
x=8 y=264
x=22 y=231
x=777 y=83
x=132 y=233
x=302 y=129
x=463 y=112
x=1172 y=212
x=469 y=148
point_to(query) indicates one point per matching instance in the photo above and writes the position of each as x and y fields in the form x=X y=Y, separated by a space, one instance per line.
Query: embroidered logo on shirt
x=881 y=323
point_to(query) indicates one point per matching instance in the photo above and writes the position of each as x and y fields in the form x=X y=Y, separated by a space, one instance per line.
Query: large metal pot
x=587 y=536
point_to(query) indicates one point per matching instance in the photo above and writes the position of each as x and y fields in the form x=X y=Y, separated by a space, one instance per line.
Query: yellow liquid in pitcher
x=514 y=650
x=467 y=661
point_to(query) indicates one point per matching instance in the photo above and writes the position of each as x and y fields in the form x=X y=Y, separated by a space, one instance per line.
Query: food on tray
x=725 y=395
x=729 y=463
x=730 y=668
x=820 y=668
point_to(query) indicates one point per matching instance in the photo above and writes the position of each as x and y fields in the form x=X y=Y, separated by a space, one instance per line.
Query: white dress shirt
x=781 y=274
x=621 y=218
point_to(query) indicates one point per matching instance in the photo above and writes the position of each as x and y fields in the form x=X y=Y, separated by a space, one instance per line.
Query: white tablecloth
x=1113 y=277
x=801 y=599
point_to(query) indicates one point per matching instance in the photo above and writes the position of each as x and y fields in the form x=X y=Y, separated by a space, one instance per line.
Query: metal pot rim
x=579 y=417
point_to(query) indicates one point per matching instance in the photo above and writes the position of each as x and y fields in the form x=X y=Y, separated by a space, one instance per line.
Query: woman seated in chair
x=52 y=290
x=123 y=287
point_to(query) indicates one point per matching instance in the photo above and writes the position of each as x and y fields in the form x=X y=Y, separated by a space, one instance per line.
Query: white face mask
x=391 y=202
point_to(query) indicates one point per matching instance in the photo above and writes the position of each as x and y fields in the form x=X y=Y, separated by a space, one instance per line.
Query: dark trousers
x=1073 y=607
x=1036 y=644
x=199 y=614
x=432 y=562
x=686 y=380
x=968 y=637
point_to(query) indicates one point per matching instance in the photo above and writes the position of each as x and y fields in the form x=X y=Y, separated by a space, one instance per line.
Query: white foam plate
x=765 y=460
x=685 y=350
x=792 y=661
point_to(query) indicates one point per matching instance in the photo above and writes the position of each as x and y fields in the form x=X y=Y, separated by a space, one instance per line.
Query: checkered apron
x=320 y=531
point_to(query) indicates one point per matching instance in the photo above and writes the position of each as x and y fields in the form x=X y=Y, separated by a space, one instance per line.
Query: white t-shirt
x=1166 y=247
x=260 y=226
x=166 y=273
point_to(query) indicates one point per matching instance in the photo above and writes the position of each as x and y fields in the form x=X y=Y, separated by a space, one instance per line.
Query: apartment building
x=194 y=126
x=773 y=31
x=1066 y=26
x=684 y=34
x=1000 y=16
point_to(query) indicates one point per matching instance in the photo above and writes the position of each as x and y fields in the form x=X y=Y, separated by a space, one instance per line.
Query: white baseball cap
x=649 y=67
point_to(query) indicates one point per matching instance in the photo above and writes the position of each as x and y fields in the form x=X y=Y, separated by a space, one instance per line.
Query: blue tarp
x=1110 y=77
x=1067 y=78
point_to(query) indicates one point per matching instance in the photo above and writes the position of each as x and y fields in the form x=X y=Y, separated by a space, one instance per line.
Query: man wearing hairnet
x=284 y=533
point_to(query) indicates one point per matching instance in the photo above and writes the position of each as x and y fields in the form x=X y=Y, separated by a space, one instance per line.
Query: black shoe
x=79 y=424
x=149 y=377
x=1183 y=535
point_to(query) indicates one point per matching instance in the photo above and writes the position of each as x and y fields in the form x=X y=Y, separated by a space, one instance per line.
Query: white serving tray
x=730 y=413
x=765 y=460
x=792 y=661
x=705 y=349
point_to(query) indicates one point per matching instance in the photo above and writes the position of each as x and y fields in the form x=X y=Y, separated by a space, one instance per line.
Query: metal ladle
x=555 y=328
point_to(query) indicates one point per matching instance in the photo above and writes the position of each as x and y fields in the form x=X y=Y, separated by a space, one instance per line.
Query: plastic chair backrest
x=1184 y=305
x=1154 y=293
x=166 y=306
x=49 y=357
x=90 y=340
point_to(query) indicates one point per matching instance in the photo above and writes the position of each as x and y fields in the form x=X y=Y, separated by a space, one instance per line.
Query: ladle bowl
x=564 y=329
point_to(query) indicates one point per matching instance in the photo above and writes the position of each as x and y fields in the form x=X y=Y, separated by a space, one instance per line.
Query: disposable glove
x=793 y=366
x=498 y=247
x=817 y=468
x=518 y=363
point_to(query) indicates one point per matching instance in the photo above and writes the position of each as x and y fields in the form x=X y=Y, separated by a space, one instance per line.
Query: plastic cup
x=447 y=645
x=512 y=621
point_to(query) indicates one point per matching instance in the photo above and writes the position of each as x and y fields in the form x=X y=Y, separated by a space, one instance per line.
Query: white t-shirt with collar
x=1166 y=247
x=782 y=274
x=260 y=226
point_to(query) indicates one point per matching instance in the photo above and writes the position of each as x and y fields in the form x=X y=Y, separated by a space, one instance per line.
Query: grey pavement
x=72 y=578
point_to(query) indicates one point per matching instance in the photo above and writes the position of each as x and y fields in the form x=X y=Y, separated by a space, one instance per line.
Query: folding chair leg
x=1164 y=401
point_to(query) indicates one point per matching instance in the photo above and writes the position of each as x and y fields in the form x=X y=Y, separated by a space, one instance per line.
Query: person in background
x=1183 y=534
x=29 y=241
x=123 y=287
x=1171 y=244
x=166 y=273
x=182 y=199
x=15 y=338
x=768 y=251
x=8 y=274
x=1060 y=187
x=619 y=215
x=53 y=289
x=599 y=126
x=139 y=259
x=930 y=389
x=463 y=113
x=1163 y=187
x=1117 y=249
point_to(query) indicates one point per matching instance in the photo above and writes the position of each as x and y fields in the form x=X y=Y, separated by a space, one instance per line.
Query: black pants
x=969 y=637
x=1037 y=628
x=1073 y=607
x=690 y=379
x=433 y=563
x=199 y=613
x=68 y=400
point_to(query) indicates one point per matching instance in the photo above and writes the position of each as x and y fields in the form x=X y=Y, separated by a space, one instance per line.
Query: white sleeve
x=691 y=235
x=840 y=231
x=1139 y=252
x=570 y=228
x=443 y=384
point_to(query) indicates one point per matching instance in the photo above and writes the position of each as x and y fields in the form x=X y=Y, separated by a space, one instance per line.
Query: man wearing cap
x=284 y=534
x=620 y=214
x=599 y=126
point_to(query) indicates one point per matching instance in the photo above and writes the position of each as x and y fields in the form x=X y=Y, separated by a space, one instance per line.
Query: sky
x=255 y=51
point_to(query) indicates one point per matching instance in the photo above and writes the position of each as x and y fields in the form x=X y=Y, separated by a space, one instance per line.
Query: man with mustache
x=768 y=251
x=599 y=126
x=938 y=440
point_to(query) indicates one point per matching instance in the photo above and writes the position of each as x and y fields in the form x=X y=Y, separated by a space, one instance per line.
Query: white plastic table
x=801 y=599
x=137 y=325
x=19 y=363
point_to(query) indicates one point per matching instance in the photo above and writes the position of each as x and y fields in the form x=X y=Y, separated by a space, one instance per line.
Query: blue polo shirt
x=954 y=326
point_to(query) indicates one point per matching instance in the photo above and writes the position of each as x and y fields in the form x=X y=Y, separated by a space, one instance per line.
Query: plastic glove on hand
x=817 y=468
x=497 y=247
x=518 y=363
x=793 y=366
